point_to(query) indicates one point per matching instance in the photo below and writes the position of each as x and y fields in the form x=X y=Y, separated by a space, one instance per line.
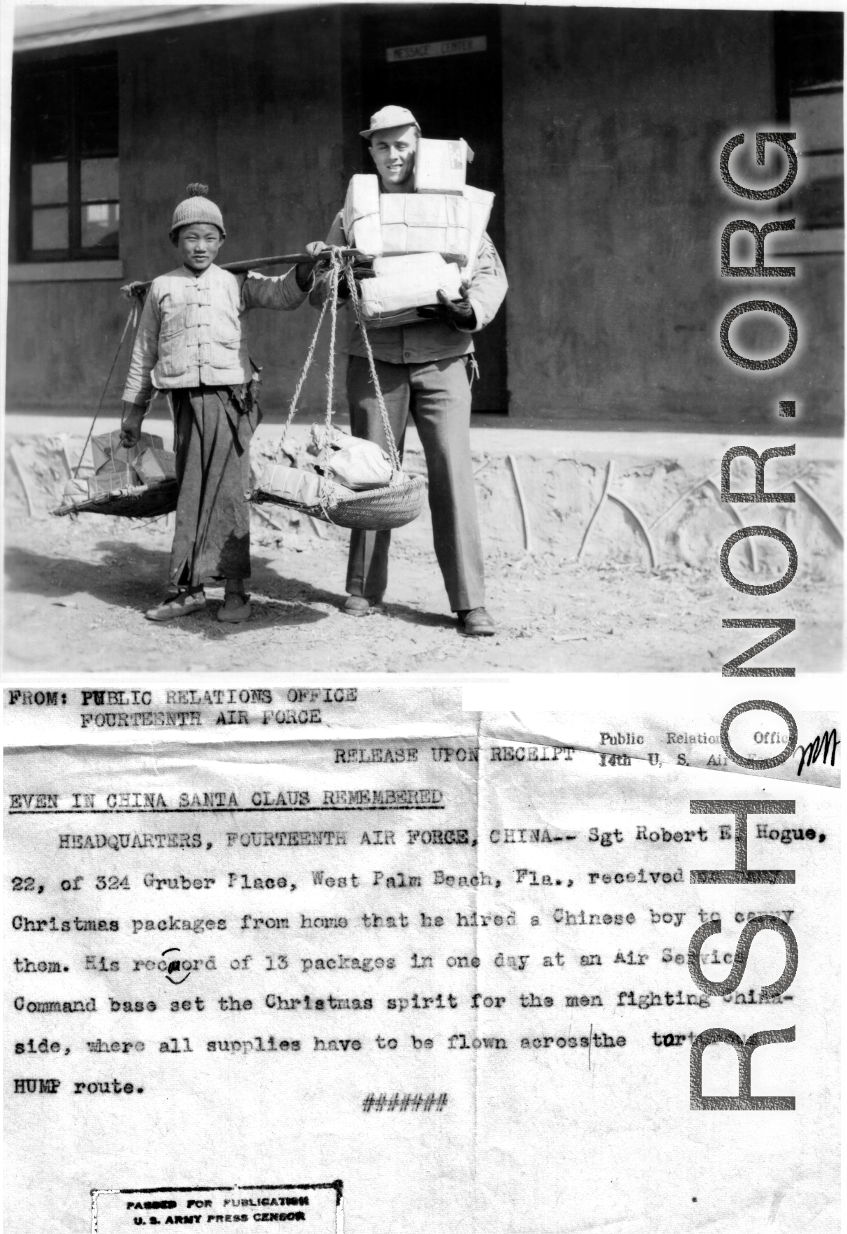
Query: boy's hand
x=305 y=269
x=136 y=290
x=131 y=418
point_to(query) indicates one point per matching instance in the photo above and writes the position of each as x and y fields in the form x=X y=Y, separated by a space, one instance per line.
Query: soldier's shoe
x=236 y=607
x=475 y=622
x=361 y=606
x=179 y=605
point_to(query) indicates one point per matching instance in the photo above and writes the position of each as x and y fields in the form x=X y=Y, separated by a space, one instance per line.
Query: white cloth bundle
x=352 y=461
x=361 y=465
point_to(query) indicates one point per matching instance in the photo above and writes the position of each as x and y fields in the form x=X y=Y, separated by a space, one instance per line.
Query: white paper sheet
x=438 y=956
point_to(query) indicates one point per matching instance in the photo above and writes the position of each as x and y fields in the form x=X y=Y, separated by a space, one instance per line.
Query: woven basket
x=375 y=509
x=145 y=501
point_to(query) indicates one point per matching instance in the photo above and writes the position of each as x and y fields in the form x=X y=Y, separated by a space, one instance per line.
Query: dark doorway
x=456 y=95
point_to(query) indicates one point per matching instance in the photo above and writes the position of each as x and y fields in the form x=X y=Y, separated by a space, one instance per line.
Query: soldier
x=424 y=370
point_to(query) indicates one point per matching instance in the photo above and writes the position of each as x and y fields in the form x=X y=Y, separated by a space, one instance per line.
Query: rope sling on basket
x=122 y=496
x=372 y=509
x=158 y=492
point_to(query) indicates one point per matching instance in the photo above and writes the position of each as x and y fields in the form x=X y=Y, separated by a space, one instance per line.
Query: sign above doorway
x=429 y=51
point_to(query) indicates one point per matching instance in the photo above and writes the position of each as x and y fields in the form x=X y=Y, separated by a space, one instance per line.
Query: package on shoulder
x=441 y=166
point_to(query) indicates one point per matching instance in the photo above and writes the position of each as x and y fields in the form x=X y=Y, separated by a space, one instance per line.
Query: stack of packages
x=422 y=242
x=117 y=468
x=350 y=463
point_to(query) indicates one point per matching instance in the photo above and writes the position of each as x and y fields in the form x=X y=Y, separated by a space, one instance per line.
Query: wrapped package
x=409 y=264
x=480 y=202
x=425 y=223
x=112 y=480
x=75 y=491
x=404 y=284
x=398 y=223
x=291 y=483
x=441 y=166
x=154 y=465
x=360 y=216
x=391 y=224
x=107 y=451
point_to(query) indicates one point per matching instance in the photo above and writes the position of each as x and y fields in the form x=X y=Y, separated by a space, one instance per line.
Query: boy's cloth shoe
x=361 y=606
x=475 y=621
x=236 y=607
x=180 y=605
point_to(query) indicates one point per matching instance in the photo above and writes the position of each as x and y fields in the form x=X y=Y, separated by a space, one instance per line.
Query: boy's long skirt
x=212 y=444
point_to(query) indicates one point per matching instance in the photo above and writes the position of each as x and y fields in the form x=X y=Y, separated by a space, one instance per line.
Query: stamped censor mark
x=313 y=1208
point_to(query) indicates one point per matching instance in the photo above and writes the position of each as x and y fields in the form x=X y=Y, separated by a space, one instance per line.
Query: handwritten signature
x=822 y=747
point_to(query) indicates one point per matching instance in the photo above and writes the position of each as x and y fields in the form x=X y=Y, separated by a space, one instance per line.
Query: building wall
x=253 y=109
x=613 y=120
x=612 y=128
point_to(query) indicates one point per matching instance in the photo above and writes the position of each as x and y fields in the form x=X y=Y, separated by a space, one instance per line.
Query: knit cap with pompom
x=197 y=209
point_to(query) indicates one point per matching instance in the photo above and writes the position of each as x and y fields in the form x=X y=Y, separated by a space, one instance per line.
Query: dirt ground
x=77 y=591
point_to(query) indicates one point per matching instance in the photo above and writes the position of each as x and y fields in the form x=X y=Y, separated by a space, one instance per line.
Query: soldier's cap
x=389 y=118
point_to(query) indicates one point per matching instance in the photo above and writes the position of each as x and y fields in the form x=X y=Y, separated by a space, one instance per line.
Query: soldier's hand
x=344 y=289
x=456 y=313
x=359 y=272
x=135 y=290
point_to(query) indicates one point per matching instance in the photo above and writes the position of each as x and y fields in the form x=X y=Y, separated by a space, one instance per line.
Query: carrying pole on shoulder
x=258 y=263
